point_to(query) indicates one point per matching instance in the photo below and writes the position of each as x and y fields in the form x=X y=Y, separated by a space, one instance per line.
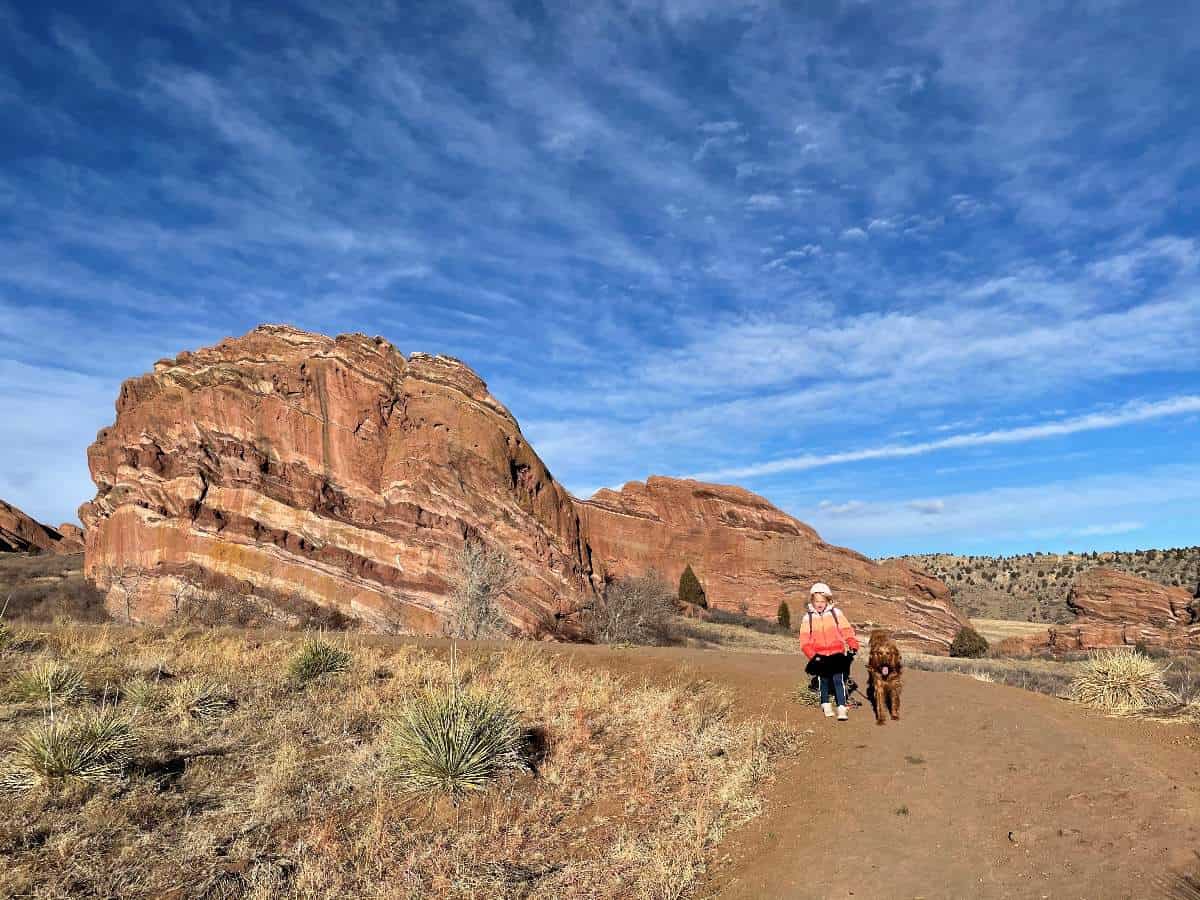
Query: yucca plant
x=1122 y=681
x=48 y=682
x=454 y=741
x=143 y=693
x=203 y=701
x=93 y=747
x=315 y=658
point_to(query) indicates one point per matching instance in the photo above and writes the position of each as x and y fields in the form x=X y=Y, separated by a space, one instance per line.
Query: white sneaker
x=842 y=717
x=827 y=708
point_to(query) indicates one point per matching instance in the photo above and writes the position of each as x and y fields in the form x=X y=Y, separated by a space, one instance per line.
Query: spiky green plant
x=48 y=682
x=203 y=701
x=316 y=658
x=143 y=693
x=1123 y=681
x=453 y=741
x=96 y=746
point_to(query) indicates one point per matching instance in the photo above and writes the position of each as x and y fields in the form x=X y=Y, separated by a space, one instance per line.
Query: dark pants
x=832 y=672
x=836 y=681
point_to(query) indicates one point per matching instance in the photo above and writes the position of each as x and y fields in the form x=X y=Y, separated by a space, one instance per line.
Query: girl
x=827 y=639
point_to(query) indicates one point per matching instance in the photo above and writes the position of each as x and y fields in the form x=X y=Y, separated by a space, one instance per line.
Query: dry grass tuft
x=202 y=700
x=1122 y=681
x=95 y=746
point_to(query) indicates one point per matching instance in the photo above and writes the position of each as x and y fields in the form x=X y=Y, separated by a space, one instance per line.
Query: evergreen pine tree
x=690 y=590
x=784 y=616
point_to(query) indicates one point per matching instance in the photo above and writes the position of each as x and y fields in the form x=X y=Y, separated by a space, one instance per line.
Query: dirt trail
x=980 y=791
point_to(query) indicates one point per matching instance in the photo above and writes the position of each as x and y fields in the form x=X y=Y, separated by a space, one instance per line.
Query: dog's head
x=884 y=654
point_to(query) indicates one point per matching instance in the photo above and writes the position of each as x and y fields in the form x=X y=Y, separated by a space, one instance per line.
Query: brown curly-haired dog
x=886 y=668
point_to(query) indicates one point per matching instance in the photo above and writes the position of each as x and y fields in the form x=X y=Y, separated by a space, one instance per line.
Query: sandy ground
x=980 y=791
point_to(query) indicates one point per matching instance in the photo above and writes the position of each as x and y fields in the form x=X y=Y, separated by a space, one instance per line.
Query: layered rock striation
x=1114 y=609
x=21 y=533
x=749 y=553
x=336 y=471
x=330 y=470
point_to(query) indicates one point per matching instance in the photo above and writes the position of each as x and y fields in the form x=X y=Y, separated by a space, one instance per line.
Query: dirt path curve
x=980 y=791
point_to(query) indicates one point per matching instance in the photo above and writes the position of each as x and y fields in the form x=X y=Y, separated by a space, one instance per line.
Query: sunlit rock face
x=335 y=471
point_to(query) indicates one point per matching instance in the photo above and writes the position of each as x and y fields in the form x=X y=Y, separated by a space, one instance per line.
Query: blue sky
x=925 y=275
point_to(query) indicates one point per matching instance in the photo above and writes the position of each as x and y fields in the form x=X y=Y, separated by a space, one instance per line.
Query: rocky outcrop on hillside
x=329 y=470
x=334 y=471
x=21 y=533
x=747 y=551
x=1114 y=609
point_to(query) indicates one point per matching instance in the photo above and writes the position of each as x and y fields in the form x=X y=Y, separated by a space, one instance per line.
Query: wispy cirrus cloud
x=680 y=236
x=1128 y=415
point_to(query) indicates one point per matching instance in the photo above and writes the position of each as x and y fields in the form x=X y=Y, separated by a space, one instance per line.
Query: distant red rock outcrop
x=334 y=470
x=1114 y=609
x=22 y=533
x=747 y=551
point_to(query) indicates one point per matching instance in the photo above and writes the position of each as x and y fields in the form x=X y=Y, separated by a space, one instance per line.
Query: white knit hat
x=821 y=588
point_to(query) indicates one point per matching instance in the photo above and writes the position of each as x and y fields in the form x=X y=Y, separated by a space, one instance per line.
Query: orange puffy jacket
x=826 y=633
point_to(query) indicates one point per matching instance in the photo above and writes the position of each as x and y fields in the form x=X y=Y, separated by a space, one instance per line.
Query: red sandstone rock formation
x=24 y=534
x=338 y=472
x=744 y=550
x=330 y=470
x=1114 y=609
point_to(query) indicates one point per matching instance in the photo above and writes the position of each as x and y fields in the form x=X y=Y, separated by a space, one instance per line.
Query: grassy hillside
x=1034 y=586
x=233 y=767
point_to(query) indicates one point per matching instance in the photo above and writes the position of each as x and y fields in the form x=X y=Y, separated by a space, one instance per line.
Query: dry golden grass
x=725 y=636
x=996 y=630
x=286 y=792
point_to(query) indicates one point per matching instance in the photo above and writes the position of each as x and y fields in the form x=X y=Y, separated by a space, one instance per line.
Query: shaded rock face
x=337 y=472
x=22 y=533
x=328 y=470
x=1114 y=609
x=745 y=550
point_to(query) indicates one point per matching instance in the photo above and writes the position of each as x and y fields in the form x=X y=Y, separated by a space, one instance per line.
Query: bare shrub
x=634 y=610
x=214 y=607
x=481 y=577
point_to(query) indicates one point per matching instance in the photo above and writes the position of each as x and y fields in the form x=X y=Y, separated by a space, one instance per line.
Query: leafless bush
x=634 y=610
x=481 y=577
x=218 y=606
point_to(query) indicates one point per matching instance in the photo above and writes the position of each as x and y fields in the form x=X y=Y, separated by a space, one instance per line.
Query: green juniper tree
x=690 y=590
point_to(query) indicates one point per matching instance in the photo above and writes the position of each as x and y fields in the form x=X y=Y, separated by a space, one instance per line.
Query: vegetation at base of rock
x=690 y=589
x=784 y=616
x=632 y=610
x=1034 y=586
x=92 y=746
x=637 y=783
x=317 y=657
x=454 y=741
x=482 y=575
x=1123 y=681
x=969 y=643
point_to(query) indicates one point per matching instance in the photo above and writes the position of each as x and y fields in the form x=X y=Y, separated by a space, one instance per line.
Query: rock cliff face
x=330 y=470
x=23 y=534
x=335 y=471
x=1114 y=609
x=744 y=550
